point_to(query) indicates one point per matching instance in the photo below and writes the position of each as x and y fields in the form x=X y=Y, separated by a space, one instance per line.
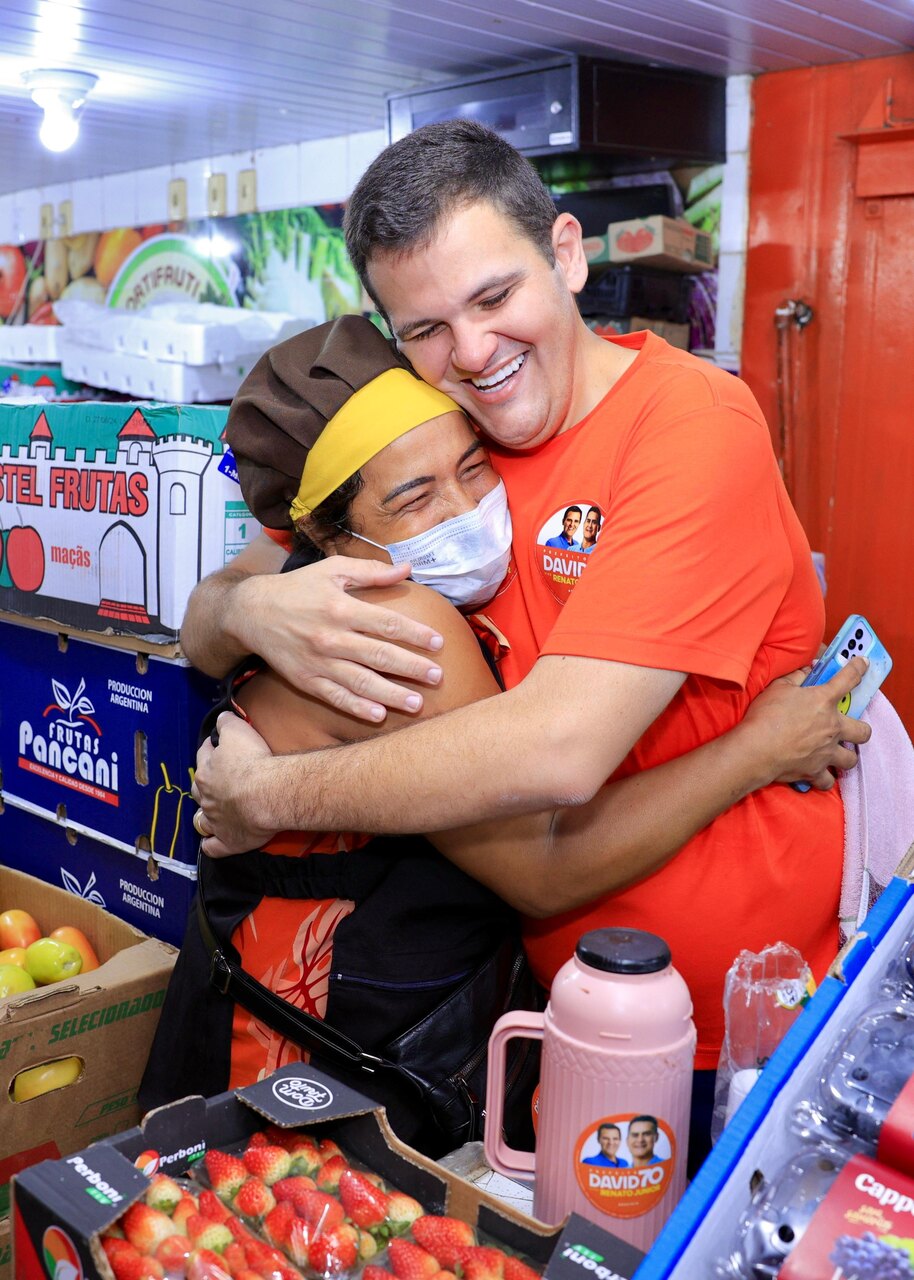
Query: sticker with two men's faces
x=565 y=543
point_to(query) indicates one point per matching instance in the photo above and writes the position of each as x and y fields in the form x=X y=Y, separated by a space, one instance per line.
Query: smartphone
x=856 y=639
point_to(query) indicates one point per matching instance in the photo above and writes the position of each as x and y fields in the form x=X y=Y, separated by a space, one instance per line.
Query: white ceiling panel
x=180 y=81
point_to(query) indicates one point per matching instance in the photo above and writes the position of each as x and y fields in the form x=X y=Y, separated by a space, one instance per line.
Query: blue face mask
x=464 y=559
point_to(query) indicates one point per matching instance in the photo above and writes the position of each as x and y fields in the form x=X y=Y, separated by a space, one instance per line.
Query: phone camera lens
x=852 y=644
x=844 y=653
x=859 y=634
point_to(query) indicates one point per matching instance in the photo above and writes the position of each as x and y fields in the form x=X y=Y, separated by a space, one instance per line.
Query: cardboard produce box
x=677 y=335
x=152 y=895
x=103 y=740
x=51 y=1197
x=657 y=241
x=106 y=1018
x=111 y=513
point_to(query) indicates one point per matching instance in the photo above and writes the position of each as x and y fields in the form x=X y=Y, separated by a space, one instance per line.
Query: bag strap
x=295 y=1024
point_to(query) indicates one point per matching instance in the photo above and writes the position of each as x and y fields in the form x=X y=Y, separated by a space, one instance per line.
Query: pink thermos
x=615 y=1088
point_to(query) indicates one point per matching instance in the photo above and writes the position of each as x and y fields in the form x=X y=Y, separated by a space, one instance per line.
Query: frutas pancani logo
x=67 y=747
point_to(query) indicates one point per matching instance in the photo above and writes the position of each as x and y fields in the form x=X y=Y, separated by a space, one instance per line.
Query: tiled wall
x=320 y=172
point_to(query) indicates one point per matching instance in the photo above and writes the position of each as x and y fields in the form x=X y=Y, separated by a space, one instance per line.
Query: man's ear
x=568 y=247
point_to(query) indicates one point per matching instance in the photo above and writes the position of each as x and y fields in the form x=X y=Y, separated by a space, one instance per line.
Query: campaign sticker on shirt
x=624 y=1163
x=564 y=544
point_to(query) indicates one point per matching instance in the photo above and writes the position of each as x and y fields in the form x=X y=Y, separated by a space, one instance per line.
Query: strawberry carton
x=659 y=241
x=335 y=1138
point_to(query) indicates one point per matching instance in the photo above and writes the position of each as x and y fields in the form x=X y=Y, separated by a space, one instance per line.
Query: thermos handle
x=500 y=1156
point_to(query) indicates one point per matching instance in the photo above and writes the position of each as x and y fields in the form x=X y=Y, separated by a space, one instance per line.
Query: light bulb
x=59 y=128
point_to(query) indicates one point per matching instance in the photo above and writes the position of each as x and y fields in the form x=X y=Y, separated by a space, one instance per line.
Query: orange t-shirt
x=699 y=565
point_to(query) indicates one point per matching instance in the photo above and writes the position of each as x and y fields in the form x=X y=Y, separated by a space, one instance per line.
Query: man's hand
x=226 y=792
x=333 y=646
x=800 y=731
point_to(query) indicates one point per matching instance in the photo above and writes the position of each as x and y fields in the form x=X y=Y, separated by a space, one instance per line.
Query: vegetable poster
x=291 y=260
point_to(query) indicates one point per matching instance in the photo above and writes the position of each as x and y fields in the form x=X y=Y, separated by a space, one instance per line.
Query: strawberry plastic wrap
x=179 y=1231
x=333 y=1218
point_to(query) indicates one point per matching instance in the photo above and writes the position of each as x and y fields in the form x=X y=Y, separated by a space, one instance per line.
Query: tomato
x=13 y=955
x=76 y=938
x=12 y=279
x=18 y=929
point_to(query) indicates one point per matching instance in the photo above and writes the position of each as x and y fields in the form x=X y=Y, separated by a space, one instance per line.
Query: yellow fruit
x=14 y=979
x=13 y=955
x=48 y=960
x=35 y=1081
x=112 y=251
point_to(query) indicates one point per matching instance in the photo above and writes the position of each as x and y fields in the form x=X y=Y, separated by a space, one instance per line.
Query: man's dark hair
x=651 y=1120
x=608 y=1126
x=404 y=195
x=568 y=511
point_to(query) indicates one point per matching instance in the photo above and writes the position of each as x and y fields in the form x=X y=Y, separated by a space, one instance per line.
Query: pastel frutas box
x=152 y=895
x=103 y=739
x=110 y=513
x=106 y=1018
x=67 y=1203
x=778 y=1119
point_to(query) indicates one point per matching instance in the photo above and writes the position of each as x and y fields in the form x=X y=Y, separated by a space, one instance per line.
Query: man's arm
x=316 y=634
x=549 y=743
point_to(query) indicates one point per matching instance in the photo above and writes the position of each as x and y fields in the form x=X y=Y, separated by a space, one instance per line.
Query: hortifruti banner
x=291 y=260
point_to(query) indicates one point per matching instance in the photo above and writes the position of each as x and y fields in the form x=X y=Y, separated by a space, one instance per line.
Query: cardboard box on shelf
x=105 y=1018
x=52 y=1196
x=677 y=335
x=662 y=242
x=103 y=740
x=112 y=512
x=46 y=379
x=152 y=895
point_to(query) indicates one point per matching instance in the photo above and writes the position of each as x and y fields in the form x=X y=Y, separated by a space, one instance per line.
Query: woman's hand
x=335 y=647
x=798 y=732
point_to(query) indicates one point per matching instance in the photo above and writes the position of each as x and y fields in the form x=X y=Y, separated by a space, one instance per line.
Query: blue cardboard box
x=153 y=896
x=102 y=739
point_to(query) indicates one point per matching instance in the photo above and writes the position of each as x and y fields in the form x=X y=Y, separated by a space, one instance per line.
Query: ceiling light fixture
x=61 y=95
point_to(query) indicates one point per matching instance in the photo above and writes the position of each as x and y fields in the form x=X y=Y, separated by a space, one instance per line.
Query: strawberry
x=276 y=1137
x=333 y=1251
x=364 y=1203
x=410 y=1261
x=479 y=1262
x=113 y=1245
x=277 y=1225
x=204 y=1264
x=267 y=1163
x=402 y=1210
x=442 y=1237
x=293 y=1187
x=234 y=1259
x=328 y=1148
x=183 y=1210
x=305 y=1153
x=146 y=1227
x=212 y=1207
x=330 y=1172
x=163 y=1193
x=247 y=1274
x=135 y=1266
x=239 y=1230
x=514 y=1269
x=226 y=1173
x=254 y=1199
x=260 y=1257
x=322 y=1212
x=373 y=1272
x=367 y=1245
x=260 y=1139
x=443 y=1275
x=206 y=1234
x=172 y=1253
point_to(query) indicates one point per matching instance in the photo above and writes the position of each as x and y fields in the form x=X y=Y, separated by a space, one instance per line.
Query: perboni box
x=61 y=1207
x=103 y=740
x=814 y=1175
x=111 y=513
x=105 y=1018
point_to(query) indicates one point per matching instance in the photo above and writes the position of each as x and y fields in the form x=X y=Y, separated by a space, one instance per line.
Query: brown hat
x=301 y=386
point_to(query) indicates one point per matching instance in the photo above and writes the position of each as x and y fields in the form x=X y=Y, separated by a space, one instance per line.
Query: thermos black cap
x=623 y=951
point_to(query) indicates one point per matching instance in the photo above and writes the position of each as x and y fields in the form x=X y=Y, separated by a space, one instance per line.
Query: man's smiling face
x=481 y=314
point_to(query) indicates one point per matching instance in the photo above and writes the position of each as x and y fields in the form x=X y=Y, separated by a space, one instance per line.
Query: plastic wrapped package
x=865 y=1072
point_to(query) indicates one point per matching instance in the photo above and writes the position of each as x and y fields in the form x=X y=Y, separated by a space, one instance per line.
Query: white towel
x=878 y=813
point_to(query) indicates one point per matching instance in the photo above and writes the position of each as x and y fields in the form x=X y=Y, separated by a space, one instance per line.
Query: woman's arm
x=546 y=863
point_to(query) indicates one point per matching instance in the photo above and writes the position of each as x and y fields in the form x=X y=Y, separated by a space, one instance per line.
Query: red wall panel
x=831 y=222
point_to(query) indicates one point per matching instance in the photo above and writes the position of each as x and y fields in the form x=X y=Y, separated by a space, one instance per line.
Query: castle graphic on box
x=110 y=513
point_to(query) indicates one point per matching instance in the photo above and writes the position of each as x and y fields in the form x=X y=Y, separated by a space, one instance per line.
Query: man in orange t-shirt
x=699 y=591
